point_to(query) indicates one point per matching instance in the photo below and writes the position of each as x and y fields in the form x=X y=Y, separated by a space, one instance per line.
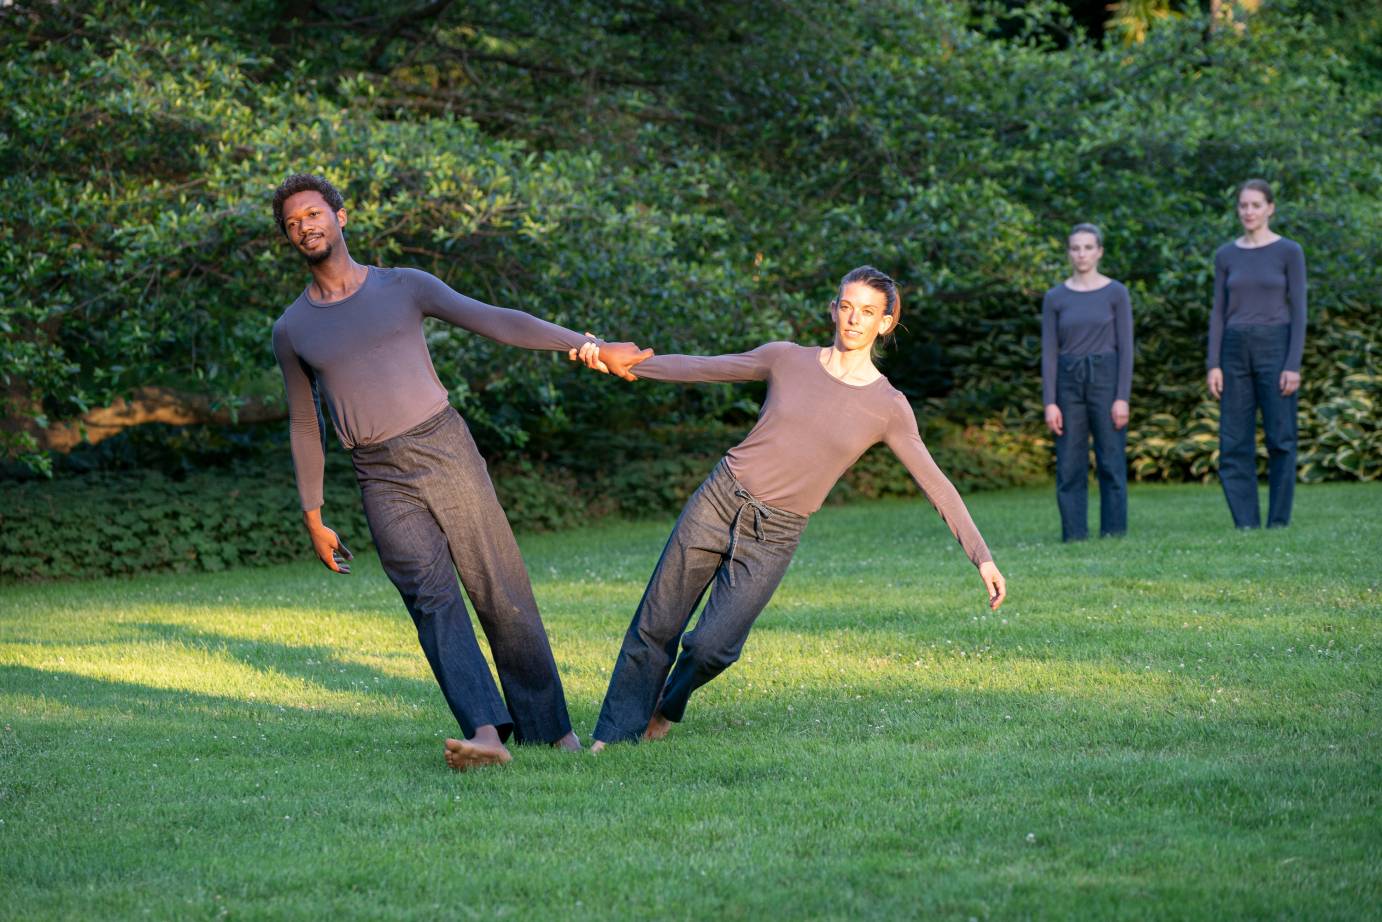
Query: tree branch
x=421 y=14
x=147 y=405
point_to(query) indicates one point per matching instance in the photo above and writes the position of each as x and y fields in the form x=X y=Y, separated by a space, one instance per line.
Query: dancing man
x=355 y=336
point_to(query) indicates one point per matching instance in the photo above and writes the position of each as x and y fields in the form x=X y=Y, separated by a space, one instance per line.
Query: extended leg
x=688 y=563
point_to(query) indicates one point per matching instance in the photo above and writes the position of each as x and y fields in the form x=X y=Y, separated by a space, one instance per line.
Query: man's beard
x=316 y=259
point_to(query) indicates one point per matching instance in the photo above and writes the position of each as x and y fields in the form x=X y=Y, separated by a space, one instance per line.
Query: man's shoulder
x=294 y=307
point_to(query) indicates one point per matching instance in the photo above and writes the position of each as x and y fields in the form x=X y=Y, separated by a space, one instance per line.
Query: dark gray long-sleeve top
x=1081 y=323
x=369 y=359
x=1261 y=285
x=813 y=427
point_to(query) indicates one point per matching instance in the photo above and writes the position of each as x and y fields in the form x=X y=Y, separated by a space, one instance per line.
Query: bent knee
x=711 y=659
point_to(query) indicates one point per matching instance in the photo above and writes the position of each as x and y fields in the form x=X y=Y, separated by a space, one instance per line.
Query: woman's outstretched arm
x=904 y=439
x=753 y=365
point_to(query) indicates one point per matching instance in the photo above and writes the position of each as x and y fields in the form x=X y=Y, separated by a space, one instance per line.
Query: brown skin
x=317 y=233
x=658 y=727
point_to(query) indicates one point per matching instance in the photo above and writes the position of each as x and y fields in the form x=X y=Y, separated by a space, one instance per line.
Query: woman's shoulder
x=1227 y=250
x=893 y=399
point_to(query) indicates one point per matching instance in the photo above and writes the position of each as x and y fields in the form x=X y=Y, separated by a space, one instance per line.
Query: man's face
x=312 y=227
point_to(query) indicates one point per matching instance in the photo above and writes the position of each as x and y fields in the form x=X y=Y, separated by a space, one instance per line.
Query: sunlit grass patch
x=1181 y=723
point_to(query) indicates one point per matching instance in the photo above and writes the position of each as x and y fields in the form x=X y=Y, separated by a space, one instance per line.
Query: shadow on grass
x=318 y=665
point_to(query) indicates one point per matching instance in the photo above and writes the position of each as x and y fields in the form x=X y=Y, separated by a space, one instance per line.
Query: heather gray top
x=1262 y=285
x=813 y=426
x=1079 y=323
x=367 y=356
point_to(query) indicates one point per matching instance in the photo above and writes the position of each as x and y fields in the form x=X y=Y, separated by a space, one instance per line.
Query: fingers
x=589 y=354
x=641 y=357
x=619 y=357
x=998 y=591
x=331 y=551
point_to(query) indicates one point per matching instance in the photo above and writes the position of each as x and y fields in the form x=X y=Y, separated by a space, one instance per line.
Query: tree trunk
x=146 y=405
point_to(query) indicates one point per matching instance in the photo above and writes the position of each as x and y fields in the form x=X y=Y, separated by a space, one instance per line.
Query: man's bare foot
x=597 y=746
x=475 y=752
x=658 y=727
x=568 y=743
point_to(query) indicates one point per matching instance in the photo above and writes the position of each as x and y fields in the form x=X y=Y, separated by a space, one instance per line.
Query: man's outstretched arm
x=512 y=327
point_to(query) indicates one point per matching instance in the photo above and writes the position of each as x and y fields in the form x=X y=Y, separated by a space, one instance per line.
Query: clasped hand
x=610 y=358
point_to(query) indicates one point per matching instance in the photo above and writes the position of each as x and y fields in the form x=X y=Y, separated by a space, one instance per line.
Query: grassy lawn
x=1181 y=724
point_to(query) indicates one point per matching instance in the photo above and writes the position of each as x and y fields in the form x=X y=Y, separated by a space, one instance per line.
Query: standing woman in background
x=1256 y=337
x=1086 y=379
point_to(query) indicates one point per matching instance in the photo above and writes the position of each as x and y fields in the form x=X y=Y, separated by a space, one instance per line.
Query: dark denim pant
x=1252 y=359
x=1085 y=389
x=724 y=537
x=433 y=513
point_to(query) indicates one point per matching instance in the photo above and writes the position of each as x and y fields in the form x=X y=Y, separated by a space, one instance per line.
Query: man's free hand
x=329 y=547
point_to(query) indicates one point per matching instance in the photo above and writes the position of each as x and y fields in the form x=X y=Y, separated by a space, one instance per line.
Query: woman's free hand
x=1215 y=380
x=1120 y=414
x=1054 y=420
x=994 y=583
x=1290 y=383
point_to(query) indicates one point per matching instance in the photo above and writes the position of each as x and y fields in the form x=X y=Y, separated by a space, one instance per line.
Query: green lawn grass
x=1180 y=724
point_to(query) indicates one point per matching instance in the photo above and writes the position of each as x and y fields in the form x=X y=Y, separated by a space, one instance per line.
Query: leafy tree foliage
x=691 y=175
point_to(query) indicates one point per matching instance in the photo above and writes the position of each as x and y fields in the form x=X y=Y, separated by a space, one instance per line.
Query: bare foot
x=597 y=746
x=568 y=743
x=658 y=727
x=475 y=752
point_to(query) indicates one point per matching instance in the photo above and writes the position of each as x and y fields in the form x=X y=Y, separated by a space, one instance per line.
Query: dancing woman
x=824 y=408
x=1086 y=379
x=1256 y=337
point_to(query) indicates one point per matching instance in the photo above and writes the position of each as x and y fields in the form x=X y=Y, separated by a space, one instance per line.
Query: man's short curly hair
x=305 y=182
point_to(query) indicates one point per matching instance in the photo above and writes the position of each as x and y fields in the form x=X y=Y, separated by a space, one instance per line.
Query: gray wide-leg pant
x=433 y=514
x=725 y=541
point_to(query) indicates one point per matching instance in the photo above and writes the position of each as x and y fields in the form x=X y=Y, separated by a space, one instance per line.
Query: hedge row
x=123 y=523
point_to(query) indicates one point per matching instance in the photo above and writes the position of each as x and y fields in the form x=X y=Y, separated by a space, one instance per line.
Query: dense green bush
x=693 y=176
x=127 y=522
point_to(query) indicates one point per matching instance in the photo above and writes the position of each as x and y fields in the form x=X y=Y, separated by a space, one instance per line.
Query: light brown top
x=367 y=356
x=813 y=427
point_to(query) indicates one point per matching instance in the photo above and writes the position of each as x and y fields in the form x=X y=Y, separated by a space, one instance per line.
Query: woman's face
x=1254 y=210
x=1084 y=251
x=859 y=317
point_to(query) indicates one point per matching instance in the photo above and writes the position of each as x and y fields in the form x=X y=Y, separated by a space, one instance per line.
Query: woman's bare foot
x=658 y=727
x=569 y=743
x=484 y=748
x=597 y=746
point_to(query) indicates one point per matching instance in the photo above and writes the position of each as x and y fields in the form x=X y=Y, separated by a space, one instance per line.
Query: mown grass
x=1180 y=724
